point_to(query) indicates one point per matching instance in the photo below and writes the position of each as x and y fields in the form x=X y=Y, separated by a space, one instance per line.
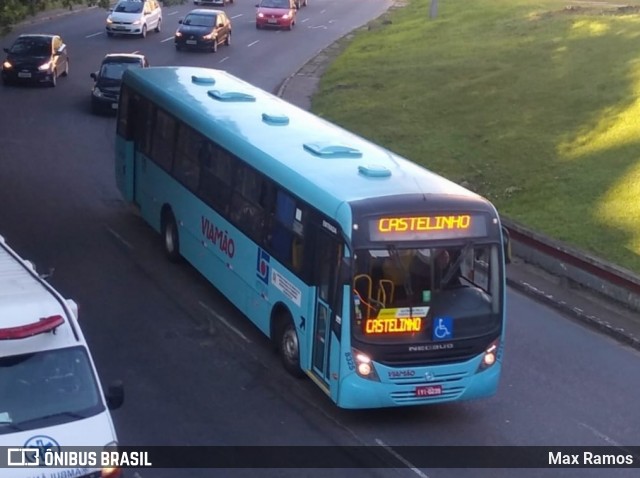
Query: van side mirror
x=115 y=395
x=506 y=244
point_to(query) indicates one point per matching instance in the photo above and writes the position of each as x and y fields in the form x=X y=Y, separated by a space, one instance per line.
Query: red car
x=276 y=13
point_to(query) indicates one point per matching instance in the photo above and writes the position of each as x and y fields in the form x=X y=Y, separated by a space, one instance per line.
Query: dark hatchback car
x=203 y=29
x=37 y=59
x=107 y=80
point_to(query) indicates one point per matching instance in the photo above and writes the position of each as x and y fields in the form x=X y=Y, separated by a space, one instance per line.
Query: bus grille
x=419 y=379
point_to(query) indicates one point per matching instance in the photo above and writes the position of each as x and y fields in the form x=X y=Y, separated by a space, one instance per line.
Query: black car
x=203 y=29
x=36 y=58
x=106 y=89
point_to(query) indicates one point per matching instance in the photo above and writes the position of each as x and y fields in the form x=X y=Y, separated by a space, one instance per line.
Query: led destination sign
x=419 y=228
x=397 y=321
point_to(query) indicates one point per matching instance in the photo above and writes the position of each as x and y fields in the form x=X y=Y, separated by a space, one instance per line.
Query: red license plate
x=429 y=391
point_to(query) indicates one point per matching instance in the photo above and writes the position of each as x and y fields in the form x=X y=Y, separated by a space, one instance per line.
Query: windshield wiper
x=69 y=414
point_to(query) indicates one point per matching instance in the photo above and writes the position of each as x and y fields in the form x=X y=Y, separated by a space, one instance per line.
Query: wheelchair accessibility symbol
x=443 y=328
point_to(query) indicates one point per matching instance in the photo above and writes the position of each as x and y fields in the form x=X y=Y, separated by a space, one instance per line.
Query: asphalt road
x=190 y=379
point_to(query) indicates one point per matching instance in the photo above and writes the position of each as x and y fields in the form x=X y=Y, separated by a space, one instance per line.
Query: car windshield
x=31 y=47
x=114 y=71
x=47 y=388
x=129 y=7
x=200 y=20
x=275 y=4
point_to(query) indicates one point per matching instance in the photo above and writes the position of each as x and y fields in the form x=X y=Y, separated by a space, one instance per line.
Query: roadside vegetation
x=534 y=104
x=15 y=11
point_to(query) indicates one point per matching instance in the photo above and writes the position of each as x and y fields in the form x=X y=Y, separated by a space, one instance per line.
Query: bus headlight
x=364 y=366
x=490 y=356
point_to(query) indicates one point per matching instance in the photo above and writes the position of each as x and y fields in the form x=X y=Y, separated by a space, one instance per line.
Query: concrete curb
x=618 y=333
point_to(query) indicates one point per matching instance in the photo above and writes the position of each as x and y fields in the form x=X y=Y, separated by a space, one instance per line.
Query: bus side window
x=163 y=141
x=125 y=124
x=187 y=164
x=245 y=209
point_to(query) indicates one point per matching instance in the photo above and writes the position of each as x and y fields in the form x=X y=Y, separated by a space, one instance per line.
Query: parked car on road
x=107 y=80
x=134 y=17
x=276 y=14
x=203 y=29
x=36 y=58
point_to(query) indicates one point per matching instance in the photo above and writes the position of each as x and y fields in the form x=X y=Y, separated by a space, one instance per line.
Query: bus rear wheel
x=170 y=237
x=289 y=349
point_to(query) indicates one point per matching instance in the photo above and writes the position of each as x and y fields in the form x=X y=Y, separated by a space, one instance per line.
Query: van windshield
x=47 y=388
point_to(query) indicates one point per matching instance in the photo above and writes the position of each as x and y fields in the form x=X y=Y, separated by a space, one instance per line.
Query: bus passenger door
x=124 y=147
x=328 y=255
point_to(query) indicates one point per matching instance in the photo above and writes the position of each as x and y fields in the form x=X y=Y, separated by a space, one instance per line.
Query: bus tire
x=289 y=349
x=170 y=238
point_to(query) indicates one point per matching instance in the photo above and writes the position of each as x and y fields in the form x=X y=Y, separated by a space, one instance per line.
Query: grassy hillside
x=534 y=104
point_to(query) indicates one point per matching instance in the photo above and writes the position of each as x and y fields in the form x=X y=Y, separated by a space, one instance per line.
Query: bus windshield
x=397 y=292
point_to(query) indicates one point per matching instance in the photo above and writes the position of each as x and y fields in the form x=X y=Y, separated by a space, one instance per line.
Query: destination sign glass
x=420 y=228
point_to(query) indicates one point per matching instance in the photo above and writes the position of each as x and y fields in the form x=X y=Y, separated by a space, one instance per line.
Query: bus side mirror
x=506 y=244
x=344 y=274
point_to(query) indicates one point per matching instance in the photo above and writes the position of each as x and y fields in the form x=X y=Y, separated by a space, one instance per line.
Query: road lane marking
x=601 y=435
x=305 y=20
x=236 y=16
x=322 y=11
x=167 y=39
x=224 y=59
x=399 y=457
x=318 y=26
x=119 y=238
x=94 y=34
x=253 y=43
x=172 y=13
x=225 y=322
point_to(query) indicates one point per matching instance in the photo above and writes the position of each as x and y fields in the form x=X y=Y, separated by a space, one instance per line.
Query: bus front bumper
x=462 y=382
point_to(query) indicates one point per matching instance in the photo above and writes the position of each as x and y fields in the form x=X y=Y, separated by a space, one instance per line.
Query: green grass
x=531 y=104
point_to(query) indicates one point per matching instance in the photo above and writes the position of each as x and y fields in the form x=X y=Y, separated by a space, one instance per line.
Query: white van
x=134 y=17
x=50 y=395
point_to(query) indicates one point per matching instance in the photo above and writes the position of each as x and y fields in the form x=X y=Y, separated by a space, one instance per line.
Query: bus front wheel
x=289 y=349
x=170 y=237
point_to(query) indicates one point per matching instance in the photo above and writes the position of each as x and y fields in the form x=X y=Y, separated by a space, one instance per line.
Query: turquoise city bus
x=378 y=279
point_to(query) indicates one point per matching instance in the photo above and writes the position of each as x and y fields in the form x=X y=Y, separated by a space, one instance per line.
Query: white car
x=50 y=394
x=134 y=17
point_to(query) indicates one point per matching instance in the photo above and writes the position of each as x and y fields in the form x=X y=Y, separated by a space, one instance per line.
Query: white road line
x=119 y=238
x=322 y=11
x=224 y=59
x=136 y=52
x=166 y=39
x=224 y=321
x=94 y=34
x=172 y=13
x=236 y=16
x=305 y=20
x=253 y=43
x=319 y=26
x=601 y=435
x=399 y=457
